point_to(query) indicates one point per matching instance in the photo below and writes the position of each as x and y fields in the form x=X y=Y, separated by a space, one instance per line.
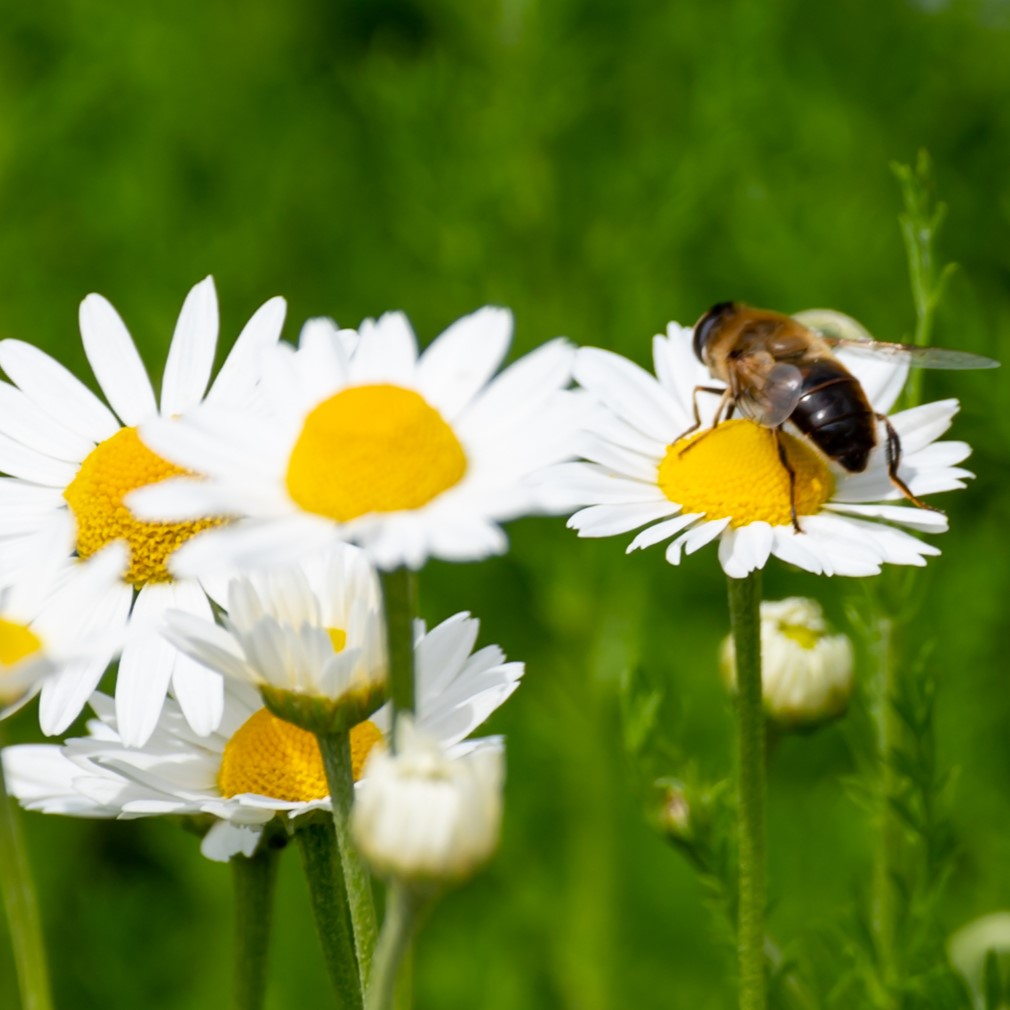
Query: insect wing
x=840 y=331
x=776 y=400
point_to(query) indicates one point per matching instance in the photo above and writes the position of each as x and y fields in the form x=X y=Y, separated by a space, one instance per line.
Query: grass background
x=600 y=168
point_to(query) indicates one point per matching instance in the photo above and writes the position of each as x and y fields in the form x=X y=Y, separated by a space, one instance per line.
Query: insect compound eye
x=708 y=325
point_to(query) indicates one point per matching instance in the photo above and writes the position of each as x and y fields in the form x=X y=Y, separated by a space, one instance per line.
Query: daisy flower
x=68 y=454
x=427 y=816
x=732 y=486
x=310 y=636
x=253 y=767
x=411 y=456
x=48 y=619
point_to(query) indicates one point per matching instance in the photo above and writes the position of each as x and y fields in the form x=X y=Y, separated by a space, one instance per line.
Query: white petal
x=191 y=353
x=629 y=391
x=907 y=515
x=524 y=386
x=252 y=544
x=589 y=484
x=386 y=351
x=745 y=549
x=695 y=538
x=921 y=425
x=663 y=531
x=240 y=372
x=114 y=360
x=610 y=520
x=199 y=691
x=146 y=667
x=321 y=364
x=225 y=840
x=26 y=422
x=20 y=461
x=463 y=358
x=64 y=695
x=56 y=390
x=882 y=379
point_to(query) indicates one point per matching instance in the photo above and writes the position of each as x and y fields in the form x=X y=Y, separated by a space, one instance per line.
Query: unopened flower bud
x=806 y=673
x=673 y=815
x=423 y=816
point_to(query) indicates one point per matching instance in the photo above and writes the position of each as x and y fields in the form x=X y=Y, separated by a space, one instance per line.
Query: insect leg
x=894 y=461
x=726 y=397
x=784 y=460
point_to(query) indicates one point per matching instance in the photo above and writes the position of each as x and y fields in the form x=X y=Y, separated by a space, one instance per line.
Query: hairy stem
x=399 y=591
x=325 y=877
x=336 y=751
x=254 y=880
x=744 y=607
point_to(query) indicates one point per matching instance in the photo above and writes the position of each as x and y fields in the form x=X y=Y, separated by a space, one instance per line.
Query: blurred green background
x=600 y=168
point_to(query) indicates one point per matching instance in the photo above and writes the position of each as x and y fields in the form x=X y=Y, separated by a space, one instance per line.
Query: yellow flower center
x=802 y=636
x=16 y=642
x=734 y=471
x=271 y=757
x=112 y=470
x=338 y=638
x=373 y=449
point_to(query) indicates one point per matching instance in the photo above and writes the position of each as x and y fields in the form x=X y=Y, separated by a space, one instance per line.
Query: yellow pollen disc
x=338 y=637
x=734 y=471
x=271 y=757
x=803 y=637
x=373 y=449
x=112 y=470
x=16 y=642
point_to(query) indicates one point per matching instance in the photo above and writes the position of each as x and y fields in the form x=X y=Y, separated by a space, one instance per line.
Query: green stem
x=325 y=877
x=888 y=853
x=403 y=911
x=21 y=904
x=254 y=880
x=744 y=608
x=336 y=751
x=399 y=591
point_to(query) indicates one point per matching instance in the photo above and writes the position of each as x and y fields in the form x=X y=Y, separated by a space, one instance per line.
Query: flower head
x=426 y=816
x=311 y=637
x=73 y=461
x=254 y=767
x=806 y=673
x=364 y=440
x=728 y=483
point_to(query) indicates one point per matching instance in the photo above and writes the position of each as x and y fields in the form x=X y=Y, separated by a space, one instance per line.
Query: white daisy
x=410 y=456
x=67 y=453
x=310 y=636
x=254 y=767
x=428 y=816
x=48 y=619
x=732 y=486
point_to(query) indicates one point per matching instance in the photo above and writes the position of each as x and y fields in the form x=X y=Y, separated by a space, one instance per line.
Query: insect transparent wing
x=840 y=330
x=777 y=398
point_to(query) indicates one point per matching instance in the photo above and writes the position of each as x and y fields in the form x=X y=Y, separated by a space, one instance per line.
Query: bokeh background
x=600 y=168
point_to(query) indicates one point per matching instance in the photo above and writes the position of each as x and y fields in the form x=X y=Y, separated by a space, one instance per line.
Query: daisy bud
x=806 y=673
x=673 y=814
x=424 y=817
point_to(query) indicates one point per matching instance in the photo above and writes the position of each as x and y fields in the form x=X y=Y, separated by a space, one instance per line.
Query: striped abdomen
x=834 y=414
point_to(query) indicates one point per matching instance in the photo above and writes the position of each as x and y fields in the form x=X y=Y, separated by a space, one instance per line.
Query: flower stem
x=744 y=608
x=403 y=912
x=321 y=862
x=399 y=591
x=254 y=879
x=22 y=908
x=336 y=751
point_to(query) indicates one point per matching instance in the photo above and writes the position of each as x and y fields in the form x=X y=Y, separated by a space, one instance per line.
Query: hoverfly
x=778 y=368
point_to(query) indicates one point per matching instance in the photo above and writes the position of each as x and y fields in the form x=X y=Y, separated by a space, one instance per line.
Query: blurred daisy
x=68 y=453
x=732 y=486
x=806 y=672
x=49 y=622
x=410 y=456
x=426 y=815
x=254 y=767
